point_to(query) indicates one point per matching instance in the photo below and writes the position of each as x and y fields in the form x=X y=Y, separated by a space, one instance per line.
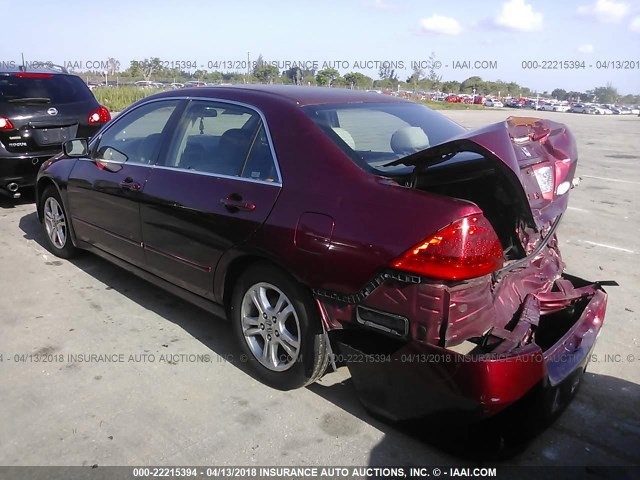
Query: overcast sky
x=506 y=31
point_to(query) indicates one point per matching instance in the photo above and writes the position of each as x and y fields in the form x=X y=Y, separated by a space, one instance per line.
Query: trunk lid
x=540 y=157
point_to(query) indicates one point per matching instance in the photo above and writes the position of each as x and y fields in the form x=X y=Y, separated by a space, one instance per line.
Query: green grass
x=451 y=106
x=117 y=99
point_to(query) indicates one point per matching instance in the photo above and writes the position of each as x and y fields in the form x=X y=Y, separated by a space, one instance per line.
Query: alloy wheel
x=270 y=326
x=55 y=223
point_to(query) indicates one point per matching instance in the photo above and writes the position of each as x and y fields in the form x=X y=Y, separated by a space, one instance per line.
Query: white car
x=582 y=108
x=546 y=107
x=493 y=103
x=601 y=110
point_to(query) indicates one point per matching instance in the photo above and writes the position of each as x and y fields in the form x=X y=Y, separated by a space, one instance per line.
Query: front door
x=105 y=189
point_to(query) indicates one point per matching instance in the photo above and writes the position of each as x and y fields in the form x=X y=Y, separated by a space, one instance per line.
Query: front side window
x=135 y=138
x=375 y=134
x=223 y=139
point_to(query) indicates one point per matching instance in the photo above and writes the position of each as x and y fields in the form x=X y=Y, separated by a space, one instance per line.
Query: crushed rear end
x=478 y=345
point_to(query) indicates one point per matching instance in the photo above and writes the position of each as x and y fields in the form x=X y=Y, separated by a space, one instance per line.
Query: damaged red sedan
x=331 y=224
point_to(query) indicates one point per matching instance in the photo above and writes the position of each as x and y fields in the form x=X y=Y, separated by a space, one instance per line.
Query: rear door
x=104 y=191
x=217 y=185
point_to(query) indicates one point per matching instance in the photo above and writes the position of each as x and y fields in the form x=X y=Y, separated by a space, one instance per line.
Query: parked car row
x=554 y=107
x=604 y=109
x=623 y=110
x=465 y=98
x=576 y=107
x=150 y=84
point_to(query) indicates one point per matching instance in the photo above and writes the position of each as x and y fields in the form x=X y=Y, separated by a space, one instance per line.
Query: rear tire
x=278 y=326
x=56 y=224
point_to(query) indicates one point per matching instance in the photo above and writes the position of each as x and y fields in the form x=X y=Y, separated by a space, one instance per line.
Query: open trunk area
x=470 y=176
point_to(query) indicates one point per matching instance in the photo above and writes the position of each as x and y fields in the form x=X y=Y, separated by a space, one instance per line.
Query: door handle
x=130 y=184
x=234 y=203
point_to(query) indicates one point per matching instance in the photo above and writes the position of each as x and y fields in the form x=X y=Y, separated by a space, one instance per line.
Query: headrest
x=236 y=136
x=409 y=140
x=345 y=136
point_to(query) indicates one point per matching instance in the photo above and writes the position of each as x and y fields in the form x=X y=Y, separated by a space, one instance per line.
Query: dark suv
x=40 y=109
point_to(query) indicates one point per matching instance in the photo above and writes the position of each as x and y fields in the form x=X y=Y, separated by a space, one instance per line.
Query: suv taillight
x=99 y=115
x=467 y=248
x=5 y=124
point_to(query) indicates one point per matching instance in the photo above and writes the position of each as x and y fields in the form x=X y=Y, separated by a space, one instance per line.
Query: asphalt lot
x=181 y=412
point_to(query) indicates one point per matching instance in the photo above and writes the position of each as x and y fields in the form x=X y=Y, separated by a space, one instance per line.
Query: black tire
x=312 y=354
x=54 y=217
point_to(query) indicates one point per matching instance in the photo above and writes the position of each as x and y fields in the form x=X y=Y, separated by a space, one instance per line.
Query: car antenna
x=23 y=67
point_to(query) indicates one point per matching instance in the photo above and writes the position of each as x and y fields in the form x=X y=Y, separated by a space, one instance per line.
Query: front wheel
x=278 y=327
x=56 y=224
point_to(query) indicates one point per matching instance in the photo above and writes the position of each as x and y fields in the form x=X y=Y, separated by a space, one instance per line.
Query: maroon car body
x=477 y=337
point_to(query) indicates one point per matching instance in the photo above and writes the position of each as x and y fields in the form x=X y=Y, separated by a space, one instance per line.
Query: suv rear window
x=56 y=88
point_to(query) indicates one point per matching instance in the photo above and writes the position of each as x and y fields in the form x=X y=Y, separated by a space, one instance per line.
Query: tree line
x=419 y=81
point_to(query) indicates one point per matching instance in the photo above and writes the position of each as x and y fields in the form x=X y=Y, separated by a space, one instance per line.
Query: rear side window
x=223 y=139
x=54 y=89
x=374 y=135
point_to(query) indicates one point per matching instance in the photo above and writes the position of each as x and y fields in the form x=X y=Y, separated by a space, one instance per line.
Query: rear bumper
x=21 y=170
x=415 y=381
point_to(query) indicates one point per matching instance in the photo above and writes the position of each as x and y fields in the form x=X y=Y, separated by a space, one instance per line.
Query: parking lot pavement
x=170 y=387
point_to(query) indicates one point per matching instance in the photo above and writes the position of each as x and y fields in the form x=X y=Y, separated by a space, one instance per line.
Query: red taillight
x=467 y=248
x=99 y=115
x=33 y=75
x=5 y=124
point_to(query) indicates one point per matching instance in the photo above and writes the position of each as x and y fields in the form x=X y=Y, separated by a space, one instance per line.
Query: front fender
x=55 y=171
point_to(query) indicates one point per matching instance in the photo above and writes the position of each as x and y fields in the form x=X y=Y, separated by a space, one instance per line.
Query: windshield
x=54 y=89
x=376 y=134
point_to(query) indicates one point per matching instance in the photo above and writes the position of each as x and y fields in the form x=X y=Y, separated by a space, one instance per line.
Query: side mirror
x=110 y=159
x=110 y=155
x=77 y=147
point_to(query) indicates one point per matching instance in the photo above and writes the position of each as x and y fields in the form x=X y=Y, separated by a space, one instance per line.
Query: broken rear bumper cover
x=548 y=344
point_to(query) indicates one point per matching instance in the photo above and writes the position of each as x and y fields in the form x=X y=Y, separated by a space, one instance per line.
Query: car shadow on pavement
x=27 y=196
x=602 y=419
x=213 y=332
x=599 y=427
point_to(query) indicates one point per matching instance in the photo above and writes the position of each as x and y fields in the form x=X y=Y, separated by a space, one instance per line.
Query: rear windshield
x=375 y=134
x=55 y=89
